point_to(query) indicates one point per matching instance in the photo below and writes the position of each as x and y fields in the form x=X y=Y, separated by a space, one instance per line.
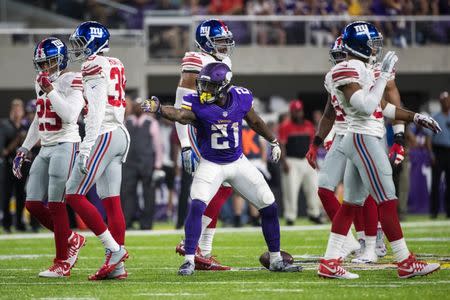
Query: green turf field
x=153 y=264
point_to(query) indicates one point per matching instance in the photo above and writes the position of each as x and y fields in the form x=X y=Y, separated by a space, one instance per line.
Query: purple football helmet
x=213 y=82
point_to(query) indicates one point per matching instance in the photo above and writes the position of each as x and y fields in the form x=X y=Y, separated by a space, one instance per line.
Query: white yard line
x=357 y=283
x=18 y=236
x=167 y=294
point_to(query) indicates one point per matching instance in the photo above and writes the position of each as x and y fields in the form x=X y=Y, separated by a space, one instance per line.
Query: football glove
x=83 y=163
x=18 y=162
x=152 y=105
x=43 y=81
x=397 y=151
x=388 y=64
x=311 y=155
x=327 y=145
x=189 y=159
x=427 y=122
x=276 y=151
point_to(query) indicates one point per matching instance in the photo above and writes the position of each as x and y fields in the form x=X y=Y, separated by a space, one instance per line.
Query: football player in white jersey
x=361 y=97
x=332 y=171
x=215 y=42
x=58 y=105
x=104 y=147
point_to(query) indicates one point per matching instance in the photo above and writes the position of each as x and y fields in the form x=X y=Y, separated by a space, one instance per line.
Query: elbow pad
x=358 y=101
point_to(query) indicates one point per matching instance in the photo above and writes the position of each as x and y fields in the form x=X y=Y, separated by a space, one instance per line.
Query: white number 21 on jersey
x=221 y=131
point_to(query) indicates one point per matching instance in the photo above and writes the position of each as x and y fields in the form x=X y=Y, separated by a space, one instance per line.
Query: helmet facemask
x=51 y=65
x=337 y=56
x=210 y=91
x=376 y=44
x=78 y=50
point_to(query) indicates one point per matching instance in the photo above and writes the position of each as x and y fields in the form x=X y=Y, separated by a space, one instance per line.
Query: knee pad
x=265 y=195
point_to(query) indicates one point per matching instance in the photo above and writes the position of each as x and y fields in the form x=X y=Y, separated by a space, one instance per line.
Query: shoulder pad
x=347 y=71
x=93 y=67
x=192 y=61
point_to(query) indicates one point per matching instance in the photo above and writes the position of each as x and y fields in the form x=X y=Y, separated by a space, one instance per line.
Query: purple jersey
x=219 y=129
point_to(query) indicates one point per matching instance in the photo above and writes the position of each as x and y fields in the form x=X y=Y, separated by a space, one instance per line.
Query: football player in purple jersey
x=217 y=111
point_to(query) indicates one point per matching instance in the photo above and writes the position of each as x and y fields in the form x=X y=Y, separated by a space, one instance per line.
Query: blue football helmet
x=213 y=82
x=88 y=39
x=337 y=53
x=363 y=40
x=213 y=37
x=50 y=55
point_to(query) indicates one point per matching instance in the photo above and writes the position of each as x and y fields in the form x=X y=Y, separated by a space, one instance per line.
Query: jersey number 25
x=117 y=98
x=48 y=119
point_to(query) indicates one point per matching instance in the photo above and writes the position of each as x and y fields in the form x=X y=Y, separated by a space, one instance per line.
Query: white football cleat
x=119 y=272
x=411 y=267
x=380 y=246
x=331 y=268
x=76 y=242
x=367 y=257
x=60 y=268
x=350 y=245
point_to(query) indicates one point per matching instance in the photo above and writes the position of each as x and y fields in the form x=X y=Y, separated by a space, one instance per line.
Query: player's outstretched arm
x=32 y=135
x=397 y=113
x=182 y=116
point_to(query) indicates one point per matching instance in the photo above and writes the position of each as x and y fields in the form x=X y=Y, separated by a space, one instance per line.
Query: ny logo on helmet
x=96 y=32
x=58 y=44
x=204 y=30
x=361 y=28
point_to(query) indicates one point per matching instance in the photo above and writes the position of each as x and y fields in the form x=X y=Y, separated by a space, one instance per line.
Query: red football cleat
x=112 y=259
x=411 y=267
x=76 y=242
x=212 y=264
x=331 y=268
x=201 y=262
x=60 y=268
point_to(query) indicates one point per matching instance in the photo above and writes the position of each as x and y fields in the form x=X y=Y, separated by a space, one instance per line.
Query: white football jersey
x=195 y=61
x=113 y=71
x=340 y=124
x=52 y=129
x=356 y=71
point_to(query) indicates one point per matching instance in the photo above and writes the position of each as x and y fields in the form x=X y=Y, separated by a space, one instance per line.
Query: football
x=264 y=259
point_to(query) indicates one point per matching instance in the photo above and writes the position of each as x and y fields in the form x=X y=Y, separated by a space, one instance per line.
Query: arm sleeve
x=157 y=144
x=32 y=135
x=68 y=109
x=96 y=95
x=182 y=130
x=367 y=102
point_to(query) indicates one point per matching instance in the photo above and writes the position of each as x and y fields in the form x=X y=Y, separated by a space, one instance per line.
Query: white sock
x=334 y=247
x=400 y=250
x=189 y=258
x=360 y=235
x=370 y=243
x=207 y=236
x=379 y=226
x=274 y=256
x=108 y=241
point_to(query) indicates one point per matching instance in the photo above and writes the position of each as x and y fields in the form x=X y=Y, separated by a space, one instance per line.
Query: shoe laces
x=58 y=266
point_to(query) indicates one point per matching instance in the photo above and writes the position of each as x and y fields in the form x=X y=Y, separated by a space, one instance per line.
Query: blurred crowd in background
x=399 y=33
x=155 y=188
